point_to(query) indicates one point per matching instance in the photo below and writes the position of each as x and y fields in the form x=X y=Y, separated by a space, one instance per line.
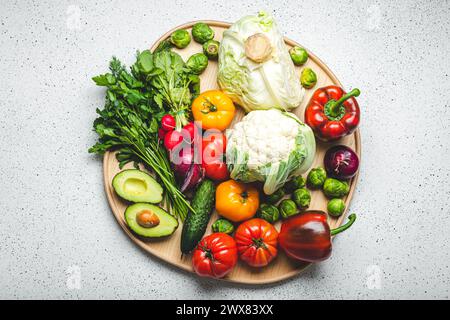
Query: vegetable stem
x=335 y=106
x=351 y=219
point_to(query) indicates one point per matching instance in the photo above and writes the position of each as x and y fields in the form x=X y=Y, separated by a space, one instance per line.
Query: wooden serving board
x=168 y=249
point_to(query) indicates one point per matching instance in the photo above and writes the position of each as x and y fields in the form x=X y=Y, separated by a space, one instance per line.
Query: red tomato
x=257 y=242
x=215 y=256
x=213 y=158
x=216 y=170
x=168 y=122
x=214 y=144
x=173 y=139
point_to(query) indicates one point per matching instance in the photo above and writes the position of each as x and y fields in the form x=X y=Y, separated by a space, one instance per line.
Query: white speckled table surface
x=58 y=238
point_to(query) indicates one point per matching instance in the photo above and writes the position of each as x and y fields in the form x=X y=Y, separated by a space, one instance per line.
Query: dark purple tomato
x=341 y=162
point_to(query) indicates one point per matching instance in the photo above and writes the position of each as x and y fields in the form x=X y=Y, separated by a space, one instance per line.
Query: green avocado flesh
x=137 y=186
x=166 y=226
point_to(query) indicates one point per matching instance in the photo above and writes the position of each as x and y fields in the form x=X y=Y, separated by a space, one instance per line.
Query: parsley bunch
x=135 y=102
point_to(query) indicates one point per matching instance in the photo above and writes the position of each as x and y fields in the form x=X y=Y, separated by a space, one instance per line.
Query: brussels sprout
x=211 y=49
x=302 y=198
x=268 y=212
x=223 y=225
x=287 y=208
x=294 y=183
x=275 y=197
x=201 y=32
x=197 y=63
x=336 y=207
x=316 y=178
x=298 y=55
x=180 y=38
x=308 y=78
x=334 y=188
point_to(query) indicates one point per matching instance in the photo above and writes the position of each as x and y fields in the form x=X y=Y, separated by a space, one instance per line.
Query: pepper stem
x=334 y=108
x=351 y=219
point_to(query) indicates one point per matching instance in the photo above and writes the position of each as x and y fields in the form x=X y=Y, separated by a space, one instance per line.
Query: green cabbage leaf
x=254 y=86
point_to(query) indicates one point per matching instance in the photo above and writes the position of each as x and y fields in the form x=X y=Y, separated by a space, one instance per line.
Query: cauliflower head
x=270 y=146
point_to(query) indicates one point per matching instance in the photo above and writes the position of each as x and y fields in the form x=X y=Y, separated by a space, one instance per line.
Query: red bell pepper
x=307 y=236
x=332 y=113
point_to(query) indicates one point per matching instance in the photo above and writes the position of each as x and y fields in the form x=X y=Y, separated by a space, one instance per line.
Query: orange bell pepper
x=236 y=201
x=214 y=109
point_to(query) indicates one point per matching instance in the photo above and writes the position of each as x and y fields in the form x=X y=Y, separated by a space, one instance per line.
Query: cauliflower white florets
x=269 y=146
x=267 y=136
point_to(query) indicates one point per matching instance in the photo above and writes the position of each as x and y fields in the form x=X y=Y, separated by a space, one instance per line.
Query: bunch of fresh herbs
x=135 y=102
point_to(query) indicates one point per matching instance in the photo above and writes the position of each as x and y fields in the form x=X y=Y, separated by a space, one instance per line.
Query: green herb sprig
x=135 y=102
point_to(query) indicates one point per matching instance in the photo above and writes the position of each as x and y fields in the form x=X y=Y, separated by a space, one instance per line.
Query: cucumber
x=194 y=226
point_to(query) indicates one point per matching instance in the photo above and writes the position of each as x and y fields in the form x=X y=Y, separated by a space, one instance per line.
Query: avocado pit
x=147 y=219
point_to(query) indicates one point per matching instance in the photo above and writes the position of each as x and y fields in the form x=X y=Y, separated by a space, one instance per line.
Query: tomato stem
x=208 y=253
x=259 y=243
x=244 y=196
x=210 y=107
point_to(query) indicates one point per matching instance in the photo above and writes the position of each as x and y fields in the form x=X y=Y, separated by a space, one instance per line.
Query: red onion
x=181 y=159
x=188 y=172
x=341 y=162
x=193 y=177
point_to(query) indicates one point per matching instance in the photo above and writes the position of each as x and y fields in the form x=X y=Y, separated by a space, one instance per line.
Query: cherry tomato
x=215 y=256
x=257 y=242
x=168 y=122
x=216 y=169
x=173 y=139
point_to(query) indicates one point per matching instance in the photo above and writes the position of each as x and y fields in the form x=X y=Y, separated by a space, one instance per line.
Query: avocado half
x=166 y=224
x=137 y=186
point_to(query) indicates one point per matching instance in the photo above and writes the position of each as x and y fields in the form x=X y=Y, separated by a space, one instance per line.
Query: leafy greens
x=135 y=102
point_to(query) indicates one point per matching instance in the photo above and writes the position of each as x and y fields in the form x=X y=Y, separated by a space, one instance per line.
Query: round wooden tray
x=168 y=249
